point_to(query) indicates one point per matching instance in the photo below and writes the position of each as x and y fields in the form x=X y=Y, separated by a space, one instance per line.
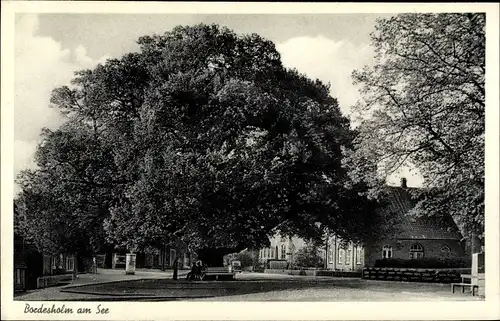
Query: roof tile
x=437 y=227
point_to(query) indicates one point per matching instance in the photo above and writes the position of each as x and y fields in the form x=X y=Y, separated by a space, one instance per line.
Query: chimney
x=403 y=182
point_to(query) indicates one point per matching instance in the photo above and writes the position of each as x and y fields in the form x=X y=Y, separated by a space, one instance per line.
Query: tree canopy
x=201 y=137
x=422 y=103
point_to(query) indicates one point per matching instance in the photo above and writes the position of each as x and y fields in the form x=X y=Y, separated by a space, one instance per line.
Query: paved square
x=158 y=286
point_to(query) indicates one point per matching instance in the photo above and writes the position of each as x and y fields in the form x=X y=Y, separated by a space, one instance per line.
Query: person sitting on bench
x=199 y=269
x=195 y=273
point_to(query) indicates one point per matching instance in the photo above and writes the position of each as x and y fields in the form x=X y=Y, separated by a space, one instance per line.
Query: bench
x=217 y=273
x=472 y=285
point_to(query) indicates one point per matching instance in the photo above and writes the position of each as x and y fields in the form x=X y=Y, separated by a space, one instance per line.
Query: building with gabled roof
x=414 y=237
x=410 y=237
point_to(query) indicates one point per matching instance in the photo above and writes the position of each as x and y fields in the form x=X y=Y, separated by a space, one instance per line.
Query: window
x=272 y=253
x=386 y=252
x=276 y=253
x=70 y=263
x=53 y=262
x=445 y=249
x=416 y=251
x=348 y=256
x=330 y=255
x=283 y=251
x=341 y=255
x=358 y=255
x=61 y=260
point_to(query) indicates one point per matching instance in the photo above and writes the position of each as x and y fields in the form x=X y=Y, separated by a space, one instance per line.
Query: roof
x=18 y=261
x=441 y=227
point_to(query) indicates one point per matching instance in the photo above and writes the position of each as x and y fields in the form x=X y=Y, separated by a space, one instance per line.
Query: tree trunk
x=75 y=266
x=215 y=256
x=163 y=254
x=176 y=269
x=108 y=258
x=81 y=264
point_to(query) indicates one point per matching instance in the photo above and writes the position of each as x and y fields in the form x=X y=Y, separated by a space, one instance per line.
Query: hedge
x=348 y=274
x=415 y=275
x=424 y=263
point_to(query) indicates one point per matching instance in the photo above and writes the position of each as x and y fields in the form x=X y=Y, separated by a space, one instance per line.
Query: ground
x=158 y=286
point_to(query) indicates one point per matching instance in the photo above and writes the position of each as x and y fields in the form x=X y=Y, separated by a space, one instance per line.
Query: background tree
x=62 y=205
x=80 y=171
x=204 y=138
x=423 y=104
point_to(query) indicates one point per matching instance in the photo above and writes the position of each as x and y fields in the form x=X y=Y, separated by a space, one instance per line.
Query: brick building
x=416 y=238
x=412 y=238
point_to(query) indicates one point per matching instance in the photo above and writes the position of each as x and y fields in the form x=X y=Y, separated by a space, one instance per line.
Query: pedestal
x=477 y=272
x=130 y=264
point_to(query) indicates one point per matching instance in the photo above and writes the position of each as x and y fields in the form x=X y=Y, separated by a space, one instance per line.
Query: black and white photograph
x=163 y=157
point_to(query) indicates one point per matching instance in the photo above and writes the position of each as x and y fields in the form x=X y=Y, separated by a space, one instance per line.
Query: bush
x=245 y=257
x=308 y=257
x=424 y=263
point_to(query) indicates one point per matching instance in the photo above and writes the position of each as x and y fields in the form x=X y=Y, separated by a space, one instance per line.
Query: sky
x=49 y=48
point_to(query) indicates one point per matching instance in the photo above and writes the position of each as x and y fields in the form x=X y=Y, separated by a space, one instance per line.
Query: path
x=102 y=276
